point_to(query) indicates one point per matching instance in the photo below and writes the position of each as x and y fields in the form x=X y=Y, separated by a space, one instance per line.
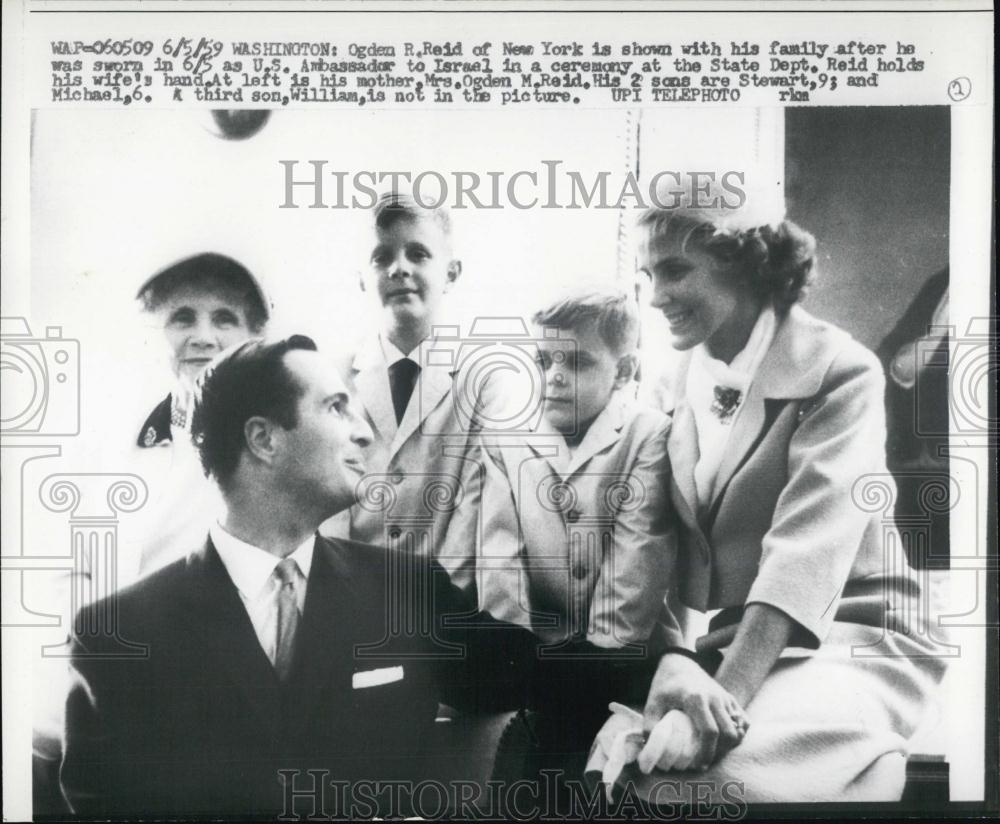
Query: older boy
x=419 y=473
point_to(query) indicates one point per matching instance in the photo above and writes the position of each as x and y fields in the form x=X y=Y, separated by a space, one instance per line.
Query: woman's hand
x=718 y=719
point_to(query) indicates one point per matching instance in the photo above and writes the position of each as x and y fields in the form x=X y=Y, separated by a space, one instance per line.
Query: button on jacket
x=790 y=523
x=176 y=711
x=582 y=544
x=421 y=478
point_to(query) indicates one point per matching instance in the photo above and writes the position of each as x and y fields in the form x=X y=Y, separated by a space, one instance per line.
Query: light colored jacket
x=792 y=523
x=582 y=544
x=419 y=476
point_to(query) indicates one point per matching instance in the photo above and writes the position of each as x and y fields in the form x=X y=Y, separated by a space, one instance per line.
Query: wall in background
x=872 y=184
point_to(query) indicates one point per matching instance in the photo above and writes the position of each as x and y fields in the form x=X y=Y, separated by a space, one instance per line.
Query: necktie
x=287 y=575
x=402 y=378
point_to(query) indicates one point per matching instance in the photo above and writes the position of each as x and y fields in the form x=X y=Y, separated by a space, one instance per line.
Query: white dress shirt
x=250 y=569
x=392 y=353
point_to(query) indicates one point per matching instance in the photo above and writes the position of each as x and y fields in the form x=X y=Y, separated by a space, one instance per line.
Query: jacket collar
x=370 y=373
x=793 y=368
x=324 y=647
x=216 y=614
x=156 y=428
x=249 y=566
x=605 y=430
x=799 y=357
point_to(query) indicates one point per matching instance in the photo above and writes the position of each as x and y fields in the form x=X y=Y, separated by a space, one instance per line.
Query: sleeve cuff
x=810 y=629
x=709 y=659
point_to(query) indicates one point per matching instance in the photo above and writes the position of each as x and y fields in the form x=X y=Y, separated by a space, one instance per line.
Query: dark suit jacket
x=201 y=725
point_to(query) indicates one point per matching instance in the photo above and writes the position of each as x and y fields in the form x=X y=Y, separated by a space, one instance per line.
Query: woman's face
x=200 y=323
x=701 y=300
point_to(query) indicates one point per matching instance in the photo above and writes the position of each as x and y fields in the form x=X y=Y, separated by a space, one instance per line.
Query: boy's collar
x=378 y=351
x=604 y=430
x=393 y=354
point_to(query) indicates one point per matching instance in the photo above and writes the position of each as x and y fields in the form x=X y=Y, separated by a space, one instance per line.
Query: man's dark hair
x=246 y=381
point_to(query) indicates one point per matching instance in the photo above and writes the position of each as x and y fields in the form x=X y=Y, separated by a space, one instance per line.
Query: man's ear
x=260 y=436
x=454 y=271
x=626 y=369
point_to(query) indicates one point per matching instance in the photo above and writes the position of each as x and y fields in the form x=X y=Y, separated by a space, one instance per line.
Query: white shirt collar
x=391 y=352
x=249 y=566
x=740 y=372
x=704 y=375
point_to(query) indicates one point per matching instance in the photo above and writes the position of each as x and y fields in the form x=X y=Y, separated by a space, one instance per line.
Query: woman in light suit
x=777 y=444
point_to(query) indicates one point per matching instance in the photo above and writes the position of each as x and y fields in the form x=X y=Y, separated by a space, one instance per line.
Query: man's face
x=580 y=373
x=199 y=323
x=322 y=457
x=411 y=266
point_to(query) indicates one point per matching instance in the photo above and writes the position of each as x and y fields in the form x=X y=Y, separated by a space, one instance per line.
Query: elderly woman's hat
x=212 y=267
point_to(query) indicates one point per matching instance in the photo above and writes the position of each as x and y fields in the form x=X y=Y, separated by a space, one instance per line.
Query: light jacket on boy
x=582 y=544
x=421 y=474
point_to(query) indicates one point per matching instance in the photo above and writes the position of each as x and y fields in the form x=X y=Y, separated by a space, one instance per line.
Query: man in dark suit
x=271 y=651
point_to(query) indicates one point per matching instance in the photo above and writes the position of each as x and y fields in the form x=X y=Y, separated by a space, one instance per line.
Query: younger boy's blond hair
x=613 y=310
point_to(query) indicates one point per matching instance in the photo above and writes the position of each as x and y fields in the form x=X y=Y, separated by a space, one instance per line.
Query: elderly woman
x=778 y=423
x=204 y=304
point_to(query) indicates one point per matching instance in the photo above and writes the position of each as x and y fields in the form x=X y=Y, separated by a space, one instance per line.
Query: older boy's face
x=410 y=268
x=580 y=373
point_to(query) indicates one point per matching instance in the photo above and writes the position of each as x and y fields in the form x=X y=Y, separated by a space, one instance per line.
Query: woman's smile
x=677 y=317
x=703 y=299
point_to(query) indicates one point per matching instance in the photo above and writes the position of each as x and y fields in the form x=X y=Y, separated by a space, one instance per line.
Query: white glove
x=672 y=744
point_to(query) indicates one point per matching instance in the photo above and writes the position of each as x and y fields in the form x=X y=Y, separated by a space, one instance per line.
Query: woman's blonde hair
x=777 y=262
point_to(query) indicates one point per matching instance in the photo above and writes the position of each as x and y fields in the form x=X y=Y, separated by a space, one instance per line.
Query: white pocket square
x=376 y=677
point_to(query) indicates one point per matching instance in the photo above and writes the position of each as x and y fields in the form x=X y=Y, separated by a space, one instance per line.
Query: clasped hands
x=689 y=722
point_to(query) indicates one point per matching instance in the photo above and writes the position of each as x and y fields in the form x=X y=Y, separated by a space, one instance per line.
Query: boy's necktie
x=402 y=378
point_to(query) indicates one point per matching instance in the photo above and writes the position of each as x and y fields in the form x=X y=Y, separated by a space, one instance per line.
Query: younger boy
x=577 y=530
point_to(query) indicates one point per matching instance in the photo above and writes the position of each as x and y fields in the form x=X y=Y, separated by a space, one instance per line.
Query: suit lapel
x=550 y=445
x=156 y=429
x=217 y=615
x=604 y=431
x=744 y=437
x=323 y=645
x=792 y=368
x=682 y=446
x=371 y=383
